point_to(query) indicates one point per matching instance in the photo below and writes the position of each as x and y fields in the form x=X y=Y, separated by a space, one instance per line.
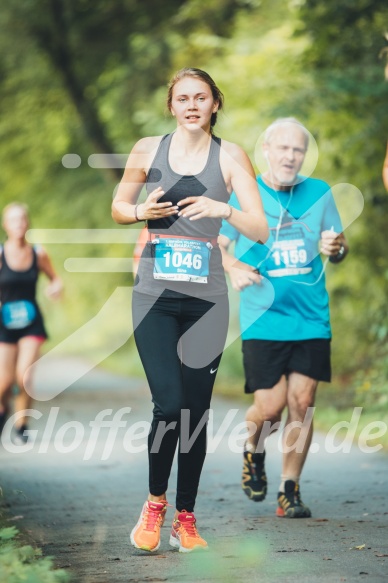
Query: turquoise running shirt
x=294 y=285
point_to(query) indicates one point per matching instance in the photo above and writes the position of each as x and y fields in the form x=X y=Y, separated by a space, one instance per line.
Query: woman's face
x=15 y=222
x=192 y=103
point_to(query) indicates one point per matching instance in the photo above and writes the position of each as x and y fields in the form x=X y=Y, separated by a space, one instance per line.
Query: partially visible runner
x=286 y=349
x=22 y=330
x=139 y=248
x=180 y=303
x=385 y=170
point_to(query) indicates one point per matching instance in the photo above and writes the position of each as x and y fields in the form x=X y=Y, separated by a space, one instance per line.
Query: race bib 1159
x=288 y=257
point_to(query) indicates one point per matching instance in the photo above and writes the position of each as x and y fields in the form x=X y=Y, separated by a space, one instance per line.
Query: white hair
x=283 y=121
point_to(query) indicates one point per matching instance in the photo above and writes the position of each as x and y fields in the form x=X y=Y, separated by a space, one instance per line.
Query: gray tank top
x=210 y=183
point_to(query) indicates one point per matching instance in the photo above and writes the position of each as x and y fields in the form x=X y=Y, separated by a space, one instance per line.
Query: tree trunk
x=55 y=44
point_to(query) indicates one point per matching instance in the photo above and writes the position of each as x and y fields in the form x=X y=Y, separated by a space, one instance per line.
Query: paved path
x=80 y=507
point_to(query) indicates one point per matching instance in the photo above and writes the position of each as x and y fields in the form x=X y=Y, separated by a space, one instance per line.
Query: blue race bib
x=18 y=315
x=288 y=257
x=181 y=259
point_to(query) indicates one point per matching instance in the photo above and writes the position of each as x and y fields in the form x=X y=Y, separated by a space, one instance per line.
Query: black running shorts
x=36 y=328
x=265 y=361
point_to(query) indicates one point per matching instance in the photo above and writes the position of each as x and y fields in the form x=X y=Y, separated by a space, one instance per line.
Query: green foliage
x=23 y=564
x=87 y=74
x=8 y=533
x=85 y=77
x=326 y=416
x=347 y=71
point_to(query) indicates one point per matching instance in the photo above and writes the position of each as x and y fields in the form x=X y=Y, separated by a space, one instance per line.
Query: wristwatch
x=341 y=251
x=339 y=256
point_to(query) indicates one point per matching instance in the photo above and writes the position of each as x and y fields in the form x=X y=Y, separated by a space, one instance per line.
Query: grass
x=336 y=403
x=22 y=563
x=371 y=430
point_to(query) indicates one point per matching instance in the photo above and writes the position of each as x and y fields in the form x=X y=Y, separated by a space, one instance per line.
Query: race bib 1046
x=181 y=259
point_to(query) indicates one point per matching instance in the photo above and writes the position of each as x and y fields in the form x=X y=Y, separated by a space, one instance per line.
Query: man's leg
x=296 y=443
x=265 y=363
x=300 y=397
x=264 y=414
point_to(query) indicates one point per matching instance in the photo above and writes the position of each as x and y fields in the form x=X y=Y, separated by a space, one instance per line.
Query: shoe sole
x=177 y=545
x=293 y=513
x=254 y=496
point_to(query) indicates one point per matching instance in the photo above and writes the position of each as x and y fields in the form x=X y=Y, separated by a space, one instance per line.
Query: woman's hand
x=151 y=209
x=199 y=207
x=54 y=289
x=55 y=286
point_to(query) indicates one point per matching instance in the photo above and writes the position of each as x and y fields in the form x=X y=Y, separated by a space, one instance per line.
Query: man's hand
x=333 y=245
x=243 y=275
x=330 y=243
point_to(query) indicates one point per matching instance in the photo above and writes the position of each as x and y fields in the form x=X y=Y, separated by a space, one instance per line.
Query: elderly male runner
x=286 y=350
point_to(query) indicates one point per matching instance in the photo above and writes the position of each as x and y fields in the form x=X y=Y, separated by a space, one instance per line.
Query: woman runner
x=180 y=304
x=22 y=330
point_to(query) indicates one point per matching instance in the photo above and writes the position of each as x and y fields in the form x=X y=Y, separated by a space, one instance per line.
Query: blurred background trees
x=90 y=77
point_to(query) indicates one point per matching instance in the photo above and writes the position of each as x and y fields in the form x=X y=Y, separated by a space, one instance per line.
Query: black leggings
x=180 y=343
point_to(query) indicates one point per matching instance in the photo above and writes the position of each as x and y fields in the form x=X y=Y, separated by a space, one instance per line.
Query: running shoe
x=146 y=534
x=184 y=534
x=20 y=437
x=254 y=479
x=290 y=504
x=3 y=419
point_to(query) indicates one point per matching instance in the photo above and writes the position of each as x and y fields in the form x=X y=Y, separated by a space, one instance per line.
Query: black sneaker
x=290 y=504
x=254 y=480
x=3 y=419
x=20 y=437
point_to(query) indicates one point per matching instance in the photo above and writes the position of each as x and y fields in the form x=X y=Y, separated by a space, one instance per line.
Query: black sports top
x=18 y=285
x=210 y=183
